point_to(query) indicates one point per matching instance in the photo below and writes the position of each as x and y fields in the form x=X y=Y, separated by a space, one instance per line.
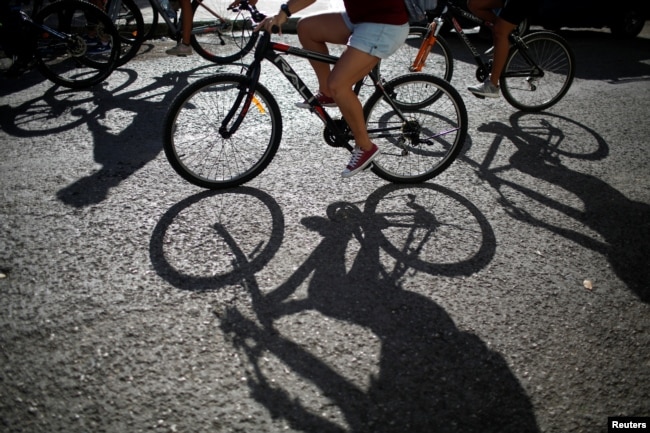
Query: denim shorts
x=376 y=39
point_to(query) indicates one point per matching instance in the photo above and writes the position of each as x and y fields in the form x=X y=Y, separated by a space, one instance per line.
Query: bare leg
x=314 y=32
x=351 y=67
x=501 y=29
x=186 y=24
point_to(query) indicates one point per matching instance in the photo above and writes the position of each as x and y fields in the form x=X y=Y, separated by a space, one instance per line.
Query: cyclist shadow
x=542 y=140
x=432 y=376
x=124 y=120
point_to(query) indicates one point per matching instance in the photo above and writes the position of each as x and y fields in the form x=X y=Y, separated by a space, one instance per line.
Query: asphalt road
x=509 y=294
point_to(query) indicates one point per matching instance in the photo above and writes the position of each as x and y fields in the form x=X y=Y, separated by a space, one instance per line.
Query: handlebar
x=245 y=5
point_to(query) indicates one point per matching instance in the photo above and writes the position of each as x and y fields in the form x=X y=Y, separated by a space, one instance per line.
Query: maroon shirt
x=376 y=11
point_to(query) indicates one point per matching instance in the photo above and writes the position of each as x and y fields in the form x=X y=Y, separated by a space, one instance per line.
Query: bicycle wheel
x=429 y=140
x=439 y=61
x=530 y=90
x=91 y=49
x=130 y=25
x=150 y=30
x=200 y=153
x=221 y=35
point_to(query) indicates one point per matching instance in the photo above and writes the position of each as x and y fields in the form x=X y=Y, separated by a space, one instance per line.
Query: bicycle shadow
x=124 y=121
x=432 y=376
x=542 y=140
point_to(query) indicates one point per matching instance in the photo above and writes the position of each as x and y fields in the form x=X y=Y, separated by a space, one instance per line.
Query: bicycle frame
x=272 y=51
x=28 y=20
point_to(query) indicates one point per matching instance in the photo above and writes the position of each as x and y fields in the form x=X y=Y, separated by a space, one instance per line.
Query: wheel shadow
x=432 y=376
x=542 y=142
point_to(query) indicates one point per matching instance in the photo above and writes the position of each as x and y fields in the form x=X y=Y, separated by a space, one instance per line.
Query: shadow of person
x=433 y=377
x=124 y=121
x=126 y=141
x=623 y=223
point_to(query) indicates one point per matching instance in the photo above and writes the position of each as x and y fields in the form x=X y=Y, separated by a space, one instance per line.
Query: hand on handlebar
x=270 y=24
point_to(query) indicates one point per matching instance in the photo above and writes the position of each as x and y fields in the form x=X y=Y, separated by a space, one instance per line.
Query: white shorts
x=376 y=39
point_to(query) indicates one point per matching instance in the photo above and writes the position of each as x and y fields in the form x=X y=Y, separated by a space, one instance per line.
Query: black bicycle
x=71 y=42
x=539 y=70
x=224 y=130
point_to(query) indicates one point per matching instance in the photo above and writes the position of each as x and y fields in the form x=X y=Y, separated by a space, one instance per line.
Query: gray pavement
x=509 y=294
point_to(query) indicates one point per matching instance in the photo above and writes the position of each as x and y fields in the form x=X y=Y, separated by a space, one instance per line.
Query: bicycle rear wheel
x=530 y=90
x=91 y=49
x=439 y=62
x=204 y=156
x=429 y=140
x=221 y=35
x=130 y=25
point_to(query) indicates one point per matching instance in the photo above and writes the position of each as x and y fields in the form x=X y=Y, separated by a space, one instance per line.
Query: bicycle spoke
x=430 y=136
x=195 y=145
x=538 y=87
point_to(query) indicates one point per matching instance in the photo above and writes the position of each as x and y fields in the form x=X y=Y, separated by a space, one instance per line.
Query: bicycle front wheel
x=536 y=78
x=439 y=61
x=221 y=35
x=85 y=48
x=200 y=149
x=421 y=133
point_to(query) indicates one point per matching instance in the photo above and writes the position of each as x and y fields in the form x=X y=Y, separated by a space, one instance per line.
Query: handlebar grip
x=275 y=29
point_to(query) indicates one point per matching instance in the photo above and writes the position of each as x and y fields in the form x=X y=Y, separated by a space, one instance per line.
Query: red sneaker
x=360 y=160
x=325 y=101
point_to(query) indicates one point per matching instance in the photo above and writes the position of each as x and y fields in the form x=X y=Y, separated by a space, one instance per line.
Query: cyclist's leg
x=352 y=67
x=512 y=13
x=183 y=47
x=315 y=32
x=500 y=32
x=369 y=43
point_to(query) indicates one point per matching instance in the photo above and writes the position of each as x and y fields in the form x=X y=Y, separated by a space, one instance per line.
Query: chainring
x=483 y=72
x=342 y=139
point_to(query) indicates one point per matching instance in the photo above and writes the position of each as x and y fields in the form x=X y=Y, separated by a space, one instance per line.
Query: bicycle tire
x=218 y=41
x=73 y=65
x=150 y=32
x=440 y=61
x=557 y=61
x=203 y=156
x=430 y=140
x=130 y=25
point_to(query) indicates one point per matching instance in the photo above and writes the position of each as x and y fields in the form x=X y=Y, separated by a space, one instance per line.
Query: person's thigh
x=328 y=27
x=350 y=68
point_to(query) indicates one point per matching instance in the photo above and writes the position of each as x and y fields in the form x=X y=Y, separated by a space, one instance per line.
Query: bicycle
x=128 y=20
x=539 y=69
x=218 y=36
x=71 y=42
x=224 y=130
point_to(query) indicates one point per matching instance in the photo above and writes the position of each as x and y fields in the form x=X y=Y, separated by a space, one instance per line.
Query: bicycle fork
x=425 y=48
